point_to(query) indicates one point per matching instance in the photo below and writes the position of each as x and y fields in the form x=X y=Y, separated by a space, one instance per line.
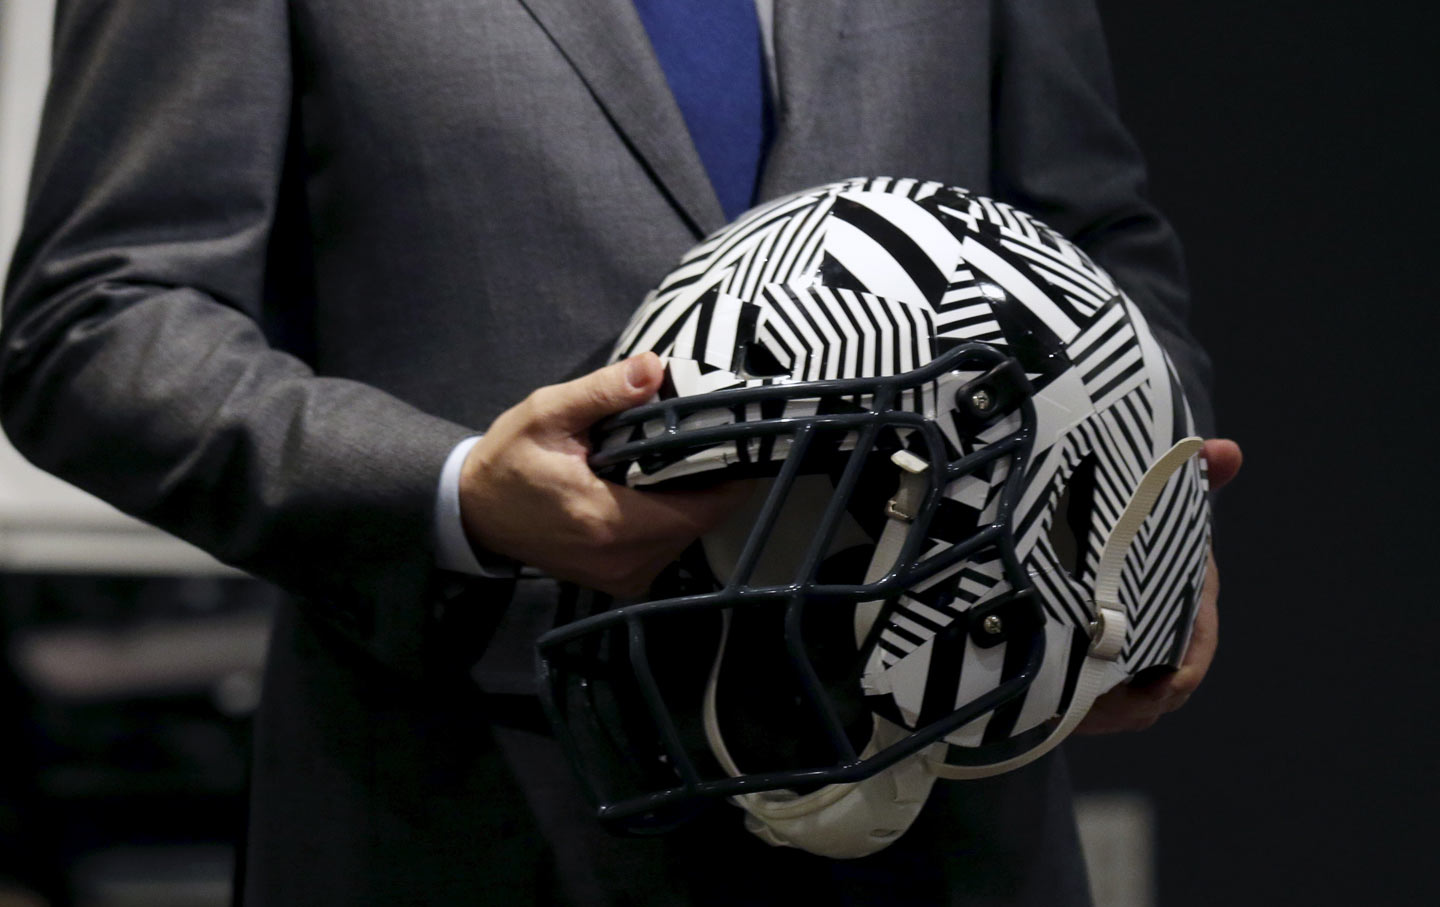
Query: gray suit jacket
x=281 y=255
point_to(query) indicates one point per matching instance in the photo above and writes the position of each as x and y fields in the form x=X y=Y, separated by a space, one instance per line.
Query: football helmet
x=975 y=509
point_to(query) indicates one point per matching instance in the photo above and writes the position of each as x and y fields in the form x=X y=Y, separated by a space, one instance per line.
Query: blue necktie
x=710 y=51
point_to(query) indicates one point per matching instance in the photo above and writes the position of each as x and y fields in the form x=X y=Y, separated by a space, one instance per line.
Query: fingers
x=527 y=491
x=1135 y=707
x=649 y=530
x=541 y=505
x=1205 y=637
x=1127 y=709
x=1223 y=459
x=660 y=514
x=644 y=531
x=574 y=406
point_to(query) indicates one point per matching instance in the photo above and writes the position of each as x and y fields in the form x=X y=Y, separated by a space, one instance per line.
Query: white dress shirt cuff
x=452 y=548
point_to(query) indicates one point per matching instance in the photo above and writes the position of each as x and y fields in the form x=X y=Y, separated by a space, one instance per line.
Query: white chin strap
x=850 y=820
x=1102 y=669
x=841 y=821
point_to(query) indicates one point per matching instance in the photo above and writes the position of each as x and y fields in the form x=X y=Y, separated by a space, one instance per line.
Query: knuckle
x=596 y=527
x=1182 y=692
x=539 y=404
x=1184 y=685
x=603 y=532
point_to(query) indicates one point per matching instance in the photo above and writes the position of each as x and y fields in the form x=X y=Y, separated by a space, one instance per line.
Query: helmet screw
x=982 y=400
x=992 y=625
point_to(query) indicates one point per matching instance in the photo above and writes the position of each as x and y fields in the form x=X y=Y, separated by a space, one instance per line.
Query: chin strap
x=1102 y=669
x=840 y=821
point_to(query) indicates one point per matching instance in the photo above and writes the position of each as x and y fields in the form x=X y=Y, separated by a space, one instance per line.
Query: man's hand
x=1135 y=708
x=526 y=491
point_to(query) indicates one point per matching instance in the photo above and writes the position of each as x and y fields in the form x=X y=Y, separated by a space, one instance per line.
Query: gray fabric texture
x=281 y=255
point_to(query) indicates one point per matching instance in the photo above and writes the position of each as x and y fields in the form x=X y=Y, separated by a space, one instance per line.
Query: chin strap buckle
x=911 y=494
x=1107 y=631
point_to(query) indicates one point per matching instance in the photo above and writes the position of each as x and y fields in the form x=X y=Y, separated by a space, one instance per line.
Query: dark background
x=1292 y=143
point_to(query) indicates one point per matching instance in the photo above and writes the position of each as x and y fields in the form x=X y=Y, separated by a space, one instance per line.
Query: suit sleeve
x=132 y=360
x=1062 y=153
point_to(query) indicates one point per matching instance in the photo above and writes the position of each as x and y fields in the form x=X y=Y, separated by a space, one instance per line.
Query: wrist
x=456 y=547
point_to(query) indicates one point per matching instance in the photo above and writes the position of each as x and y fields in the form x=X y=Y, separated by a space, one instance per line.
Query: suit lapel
x=805 y=33
x=606 y=43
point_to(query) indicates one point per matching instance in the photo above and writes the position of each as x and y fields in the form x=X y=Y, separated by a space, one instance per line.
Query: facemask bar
x=904 y=573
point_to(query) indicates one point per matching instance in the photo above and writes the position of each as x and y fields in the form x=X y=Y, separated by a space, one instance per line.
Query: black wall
x=1293 y=145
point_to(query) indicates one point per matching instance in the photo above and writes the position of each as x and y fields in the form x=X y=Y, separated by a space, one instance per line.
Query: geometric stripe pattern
x=876 y=277
x=931 y=606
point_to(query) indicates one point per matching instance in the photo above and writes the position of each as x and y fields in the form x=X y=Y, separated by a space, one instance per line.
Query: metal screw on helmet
x=992 y=625
x=982 y=400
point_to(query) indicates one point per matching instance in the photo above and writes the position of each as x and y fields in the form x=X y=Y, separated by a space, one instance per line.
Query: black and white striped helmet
x=979 y=511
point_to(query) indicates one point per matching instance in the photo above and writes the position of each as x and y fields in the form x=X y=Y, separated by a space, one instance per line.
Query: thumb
x=576 y=405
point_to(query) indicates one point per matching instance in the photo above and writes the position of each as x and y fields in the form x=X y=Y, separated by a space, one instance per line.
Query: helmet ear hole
x=1074 y=515
x=759 y=362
